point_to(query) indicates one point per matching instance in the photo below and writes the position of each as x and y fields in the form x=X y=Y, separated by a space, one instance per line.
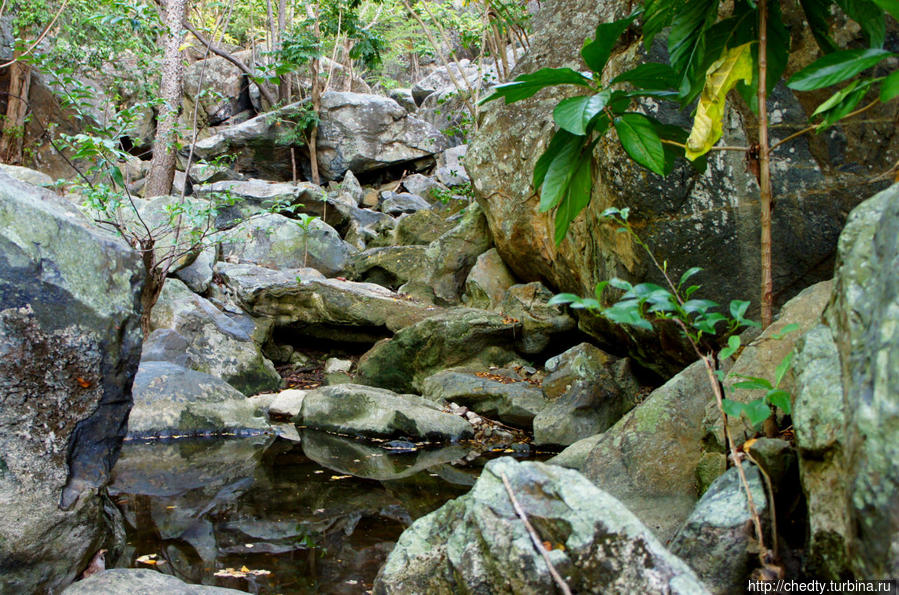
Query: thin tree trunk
x=316 y=98
x=765 y=169
x=284 y=83
x=13 y=133
x=270 y=19
x=162 y=167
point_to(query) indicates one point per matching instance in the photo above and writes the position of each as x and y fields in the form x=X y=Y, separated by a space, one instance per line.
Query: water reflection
x=321 y=515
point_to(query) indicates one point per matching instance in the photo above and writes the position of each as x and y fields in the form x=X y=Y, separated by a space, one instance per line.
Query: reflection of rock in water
x=368 y=460
x=203 y=505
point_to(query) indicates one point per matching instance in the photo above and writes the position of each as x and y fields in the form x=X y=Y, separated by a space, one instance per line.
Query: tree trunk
x=284 y=83
x=316 y=99
x=13 y=133
x=162 y=167
x=767 y=296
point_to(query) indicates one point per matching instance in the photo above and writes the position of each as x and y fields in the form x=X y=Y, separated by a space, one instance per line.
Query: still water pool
x=318 y=516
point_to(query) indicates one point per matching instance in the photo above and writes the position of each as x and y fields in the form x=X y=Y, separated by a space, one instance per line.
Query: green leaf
x=757 y=411
x=845 y=104
x=687 y=274
x=732 y=408
x=526 y=85
x=627 y=312
x=578 y=195
x=817 y=14
x=620 y=284
x=596 y=53
x=639 y=138
x=657 y=15
x=733 y=344
x=891 y=6
x=790 y=328
x=574 y=114
x=687 y=43
x=560 y=139
x=693 y=306
x=834 y=68
x=650 y=75
x=738 y=309
x=890 y=88
x=782 y=368
x=752 y=383
x=869 y=16
x=116 y=174
x=780 y=399
x=559 y=173
x=734 y=66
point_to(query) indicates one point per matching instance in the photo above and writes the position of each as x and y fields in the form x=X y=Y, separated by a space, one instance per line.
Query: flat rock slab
x=137 y=581
x=294 y=296
x=367 y=411
x=498 y=394
x=478 y=544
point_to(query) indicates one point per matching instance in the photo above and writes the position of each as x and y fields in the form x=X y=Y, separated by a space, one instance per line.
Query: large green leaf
x=657 y=14
x=650 y=75
x=639 y=138
x=578 y=195
x=836 y=67
x=869 y=16
x=779 y=398
x=891 y=6
x=574 y=114
x=559 y=173
x=526 y=85
x=560 y=139
x=890 y=88
x=817 y=15
x=841 y=103
x=687 y=41
x=735 y=65
x=596 y=53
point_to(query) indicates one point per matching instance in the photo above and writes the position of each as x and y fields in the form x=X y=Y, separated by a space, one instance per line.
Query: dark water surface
x=320 y=515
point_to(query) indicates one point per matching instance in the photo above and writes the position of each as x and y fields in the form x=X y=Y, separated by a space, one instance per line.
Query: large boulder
x=457 y=337
x=275 y=241
x=478 y=544
x=69 y=348
x=590 y=390
x=848 y=436
x=717 y=539
x=499 y=394
x=649 y=459
x=219 y=86
x=362 y=410
x=368 y=132
x=173 y=401
x=323 y=306
x=709 y=220
x=487 y=281
x=240 y=199
x=221 y=344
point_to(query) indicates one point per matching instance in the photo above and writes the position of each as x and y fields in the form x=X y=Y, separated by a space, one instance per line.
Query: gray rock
x=478 y=544
x=502 y=395
x=394 y=203
x=422 y=185
x=173 y=401
x=589 y=391
x=253 y=196
x=351 y=186
x=487 y=282
x=368 y=132
x=363 y=410
x=575 y=455
x=290 y=297
x=287 y=403
x=421 y=228
x=390 y=266
x=198 y=274
x=440 y=80
x=69 y=348
x=225 y=88
x=716 y=540
x=648 y=459
x=220 y=344
x=140 y=581
x=278 y=242
x=458 y=337
x=24 y=174
x=540 y=322
x=405 y=98
x=166 y=345
x=450 y=170
x=848 y=443
x=452 y=255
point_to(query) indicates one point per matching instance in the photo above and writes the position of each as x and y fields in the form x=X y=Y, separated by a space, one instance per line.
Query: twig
x=560 y=582
x=40 y=37
x=666 y=141
x=770 y=489
x=811 y=128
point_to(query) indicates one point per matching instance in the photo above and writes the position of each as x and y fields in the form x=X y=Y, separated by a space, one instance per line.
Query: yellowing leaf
x=722 y=76
x=184 y=46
